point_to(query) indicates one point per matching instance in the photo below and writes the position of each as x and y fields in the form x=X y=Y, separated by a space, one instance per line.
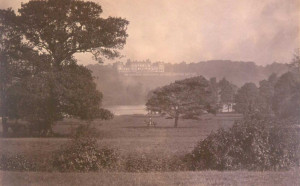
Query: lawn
x=290 y=178
x=128 y=134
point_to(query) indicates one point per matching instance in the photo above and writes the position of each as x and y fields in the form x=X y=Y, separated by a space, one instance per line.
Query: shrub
x=16 y=163
x=82 y=154
x=252 y=143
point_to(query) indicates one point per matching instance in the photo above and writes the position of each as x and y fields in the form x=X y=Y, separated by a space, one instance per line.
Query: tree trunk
x=4 y=76
x=176 y=120
x=3 y=111
x=4 y=126
x=46 y=128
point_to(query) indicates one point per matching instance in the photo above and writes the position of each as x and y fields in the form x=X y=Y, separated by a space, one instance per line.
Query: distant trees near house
x=248 y=99
x=286 y=100
x=266 y=90
x=227 y=92
x=237 y=72
x=278 y=96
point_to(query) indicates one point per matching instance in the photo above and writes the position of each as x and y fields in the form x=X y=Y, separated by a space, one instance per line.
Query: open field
x=290 y=178
x=128 y=134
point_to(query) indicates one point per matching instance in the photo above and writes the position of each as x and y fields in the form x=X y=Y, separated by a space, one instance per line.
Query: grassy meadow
x=129 y=134
x=203 y=178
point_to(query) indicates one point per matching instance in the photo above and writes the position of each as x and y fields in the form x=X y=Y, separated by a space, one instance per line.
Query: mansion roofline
x=140 y=67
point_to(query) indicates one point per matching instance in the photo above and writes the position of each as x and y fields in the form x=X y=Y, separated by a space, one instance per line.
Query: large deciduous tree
x=56 y=86
x=62 y=28
x=191 y=96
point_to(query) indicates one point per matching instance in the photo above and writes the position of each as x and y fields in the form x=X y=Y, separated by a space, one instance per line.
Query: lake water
x=127 y=109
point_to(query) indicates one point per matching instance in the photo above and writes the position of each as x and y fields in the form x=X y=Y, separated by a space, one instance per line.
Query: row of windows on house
x=140 y=67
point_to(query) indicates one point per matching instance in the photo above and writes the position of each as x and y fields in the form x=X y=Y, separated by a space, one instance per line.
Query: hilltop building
x=139 y=67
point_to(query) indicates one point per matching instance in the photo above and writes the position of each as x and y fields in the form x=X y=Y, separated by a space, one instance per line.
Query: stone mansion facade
x=140 y=67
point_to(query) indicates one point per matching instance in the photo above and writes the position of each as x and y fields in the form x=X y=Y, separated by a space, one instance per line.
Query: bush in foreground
x=82 y=154
x=252 y=143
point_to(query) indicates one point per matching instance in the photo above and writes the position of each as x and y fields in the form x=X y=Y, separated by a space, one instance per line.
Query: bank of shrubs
x=252 y=143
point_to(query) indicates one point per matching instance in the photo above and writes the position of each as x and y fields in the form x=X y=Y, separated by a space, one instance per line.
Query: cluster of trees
x=279 y=96
x=40 y=81
x=191 y=97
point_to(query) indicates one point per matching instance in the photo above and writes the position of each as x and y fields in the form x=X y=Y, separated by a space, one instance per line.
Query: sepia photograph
x=149 y=92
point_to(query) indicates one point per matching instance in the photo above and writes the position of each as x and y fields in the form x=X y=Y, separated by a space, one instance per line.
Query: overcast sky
x=173 y=31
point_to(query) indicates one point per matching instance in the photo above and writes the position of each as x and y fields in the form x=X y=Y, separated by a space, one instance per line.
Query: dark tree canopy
x=248 y=100
x=227 y=91
x=50 y=96
x=62 y=28
x=286 y=100
x=15 y=59
x=266 y=90
x=191 y=96
x=41 y=82
x=214 y=89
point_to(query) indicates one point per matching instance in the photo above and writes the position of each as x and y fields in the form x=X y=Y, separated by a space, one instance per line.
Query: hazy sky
x=173 y=31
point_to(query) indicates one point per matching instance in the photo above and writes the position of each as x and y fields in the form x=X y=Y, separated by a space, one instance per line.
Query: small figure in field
x=150 y=123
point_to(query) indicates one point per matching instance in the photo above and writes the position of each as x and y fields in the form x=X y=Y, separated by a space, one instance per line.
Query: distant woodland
x=130 y=90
